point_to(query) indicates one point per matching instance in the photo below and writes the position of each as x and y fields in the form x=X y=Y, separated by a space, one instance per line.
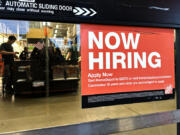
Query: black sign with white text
x=51 y=8
x=157 y=13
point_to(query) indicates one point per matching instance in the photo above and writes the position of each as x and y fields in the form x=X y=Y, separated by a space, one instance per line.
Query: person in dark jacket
x=72 y=54
x=24 y=54
x=8 y=56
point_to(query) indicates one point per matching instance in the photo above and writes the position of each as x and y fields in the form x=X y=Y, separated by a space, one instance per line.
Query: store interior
x=36 y=42
x=47 y=81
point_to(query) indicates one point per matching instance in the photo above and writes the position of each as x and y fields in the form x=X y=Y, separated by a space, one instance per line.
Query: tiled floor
x=18 y=113
x=32 y=113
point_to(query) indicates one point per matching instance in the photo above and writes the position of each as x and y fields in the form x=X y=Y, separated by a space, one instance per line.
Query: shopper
x=24 y=54
x=8 y=55
x=59 y=59
x=37 y=51
x=37 y=59
x=72 y=54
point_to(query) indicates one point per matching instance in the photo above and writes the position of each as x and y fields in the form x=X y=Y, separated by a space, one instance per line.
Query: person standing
x=24 y=54
x=8 y=55
x=72 y=54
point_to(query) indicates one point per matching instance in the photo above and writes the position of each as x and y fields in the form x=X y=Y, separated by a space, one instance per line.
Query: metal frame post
x=47 y=62
x=177 y=59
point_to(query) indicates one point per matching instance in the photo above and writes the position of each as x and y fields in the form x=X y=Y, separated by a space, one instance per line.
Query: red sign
x=119 y=59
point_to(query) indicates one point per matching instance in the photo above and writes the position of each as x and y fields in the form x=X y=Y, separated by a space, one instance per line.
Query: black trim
x=138 y=97
x=115 y=12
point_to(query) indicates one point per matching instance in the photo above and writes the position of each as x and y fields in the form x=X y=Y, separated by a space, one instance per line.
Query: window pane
x=29 y=108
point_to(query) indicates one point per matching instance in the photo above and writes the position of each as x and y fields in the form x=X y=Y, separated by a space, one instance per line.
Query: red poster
x=121 y=59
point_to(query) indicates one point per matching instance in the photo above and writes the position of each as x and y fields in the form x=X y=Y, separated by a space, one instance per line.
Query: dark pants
x=7 y=78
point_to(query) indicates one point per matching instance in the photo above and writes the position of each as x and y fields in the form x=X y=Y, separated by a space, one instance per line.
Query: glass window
x=44 y=87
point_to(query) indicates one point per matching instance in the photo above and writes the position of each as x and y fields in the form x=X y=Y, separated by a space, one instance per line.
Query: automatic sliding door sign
x=66 y=9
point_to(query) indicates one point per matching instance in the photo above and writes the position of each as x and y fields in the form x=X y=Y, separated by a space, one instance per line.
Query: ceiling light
x=44 y=23
x=48 y=23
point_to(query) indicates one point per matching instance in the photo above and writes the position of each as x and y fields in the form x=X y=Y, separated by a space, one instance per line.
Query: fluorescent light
x=57 y=26
x=48 y=23
x=44 y=23
x=55 y=31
